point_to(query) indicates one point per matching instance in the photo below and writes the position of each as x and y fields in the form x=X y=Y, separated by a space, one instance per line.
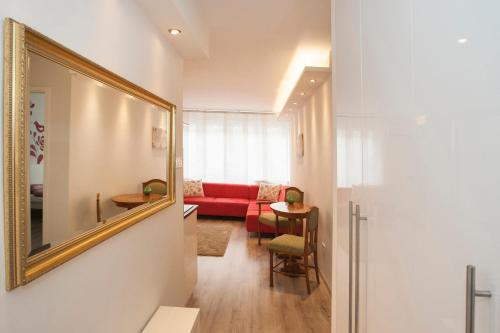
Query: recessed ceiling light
x=312 y=80
x=294 y=103
x=174 y=31
x=462 y=41
x=302 y=93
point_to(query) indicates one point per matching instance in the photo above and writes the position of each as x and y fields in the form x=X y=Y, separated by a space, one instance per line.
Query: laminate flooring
x=233 y=292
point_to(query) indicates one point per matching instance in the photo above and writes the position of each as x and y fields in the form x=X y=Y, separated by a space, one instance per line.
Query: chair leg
x=276 y=227
x=306 y=264
x=271 y=273
x=316 y=267
x=258 y=230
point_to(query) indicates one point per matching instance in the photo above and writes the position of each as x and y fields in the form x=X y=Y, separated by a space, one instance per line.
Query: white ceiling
x=257 y=49
x=183 y=15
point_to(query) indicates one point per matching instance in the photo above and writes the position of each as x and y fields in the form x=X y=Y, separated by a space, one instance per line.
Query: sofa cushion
x=233 y=201
x=288 y=243
x=231 y=206
x=252 y=220
x=193 y=188
x=269 y=218
x=198 y=200
x=253 y=191
x=218 y=190
x=268 y=192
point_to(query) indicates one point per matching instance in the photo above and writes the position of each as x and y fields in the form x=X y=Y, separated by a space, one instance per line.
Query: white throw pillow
x=193 y=188
x=268 y=192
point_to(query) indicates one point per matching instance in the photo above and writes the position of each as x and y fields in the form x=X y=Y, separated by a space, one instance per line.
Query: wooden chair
x=98 y=207
x=157 y=185
x=293 y=246
x=272 y=220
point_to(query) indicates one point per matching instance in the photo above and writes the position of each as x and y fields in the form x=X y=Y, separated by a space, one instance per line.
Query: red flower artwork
x=37 y=138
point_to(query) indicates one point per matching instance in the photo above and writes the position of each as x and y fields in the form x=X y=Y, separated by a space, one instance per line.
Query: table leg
x=291 y=266
x=292 y=226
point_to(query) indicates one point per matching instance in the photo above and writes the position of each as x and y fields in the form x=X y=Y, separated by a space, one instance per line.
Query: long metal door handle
x=351 y=215
x=359 y=218
x=470 y=303
x=354 y=257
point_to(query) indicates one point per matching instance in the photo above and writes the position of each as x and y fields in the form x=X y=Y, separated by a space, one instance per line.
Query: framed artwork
x=159 y=139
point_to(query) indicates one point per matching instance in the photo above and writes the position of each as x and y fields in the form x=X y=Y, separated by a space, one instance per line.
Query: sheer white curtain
x=236 y=147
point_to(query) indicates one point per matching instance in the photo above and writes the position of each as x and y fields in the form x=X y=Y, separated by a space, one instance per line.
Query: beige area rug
x=213 y=238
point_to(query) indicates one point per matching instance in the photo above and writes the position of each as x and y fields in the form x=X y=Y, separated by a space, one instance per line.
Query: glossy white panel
x=430 y=96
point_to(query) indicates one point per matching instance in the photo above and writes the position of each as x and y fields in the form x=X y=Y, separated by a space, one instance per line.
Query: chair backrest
x=296 y=194
x=98 y=207
x=311 y=233
x=158 y=186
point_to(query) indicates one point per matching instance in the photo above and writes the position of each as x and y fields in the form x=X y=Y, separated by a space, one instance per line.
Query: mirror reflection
x=95 y=152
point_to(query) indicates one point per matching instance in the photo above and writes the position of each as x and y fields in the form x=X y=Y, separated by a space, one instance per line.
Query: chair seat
x=269 y=218
x=288 y=243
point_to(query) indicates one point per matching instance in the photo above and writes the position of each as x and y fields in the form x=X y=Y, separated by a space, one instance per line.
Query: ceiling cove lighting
x=304 y=56
x=174 y=31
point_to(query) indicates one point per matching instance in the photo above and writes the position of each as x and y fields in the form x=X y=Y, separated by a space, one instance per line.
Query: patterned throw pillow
x=193 y=188
x=268 y=192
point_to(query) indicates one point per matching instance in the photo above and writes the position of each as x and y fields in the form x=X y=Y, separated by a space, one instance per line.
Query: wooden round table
x=293 y=212
x=130 y=201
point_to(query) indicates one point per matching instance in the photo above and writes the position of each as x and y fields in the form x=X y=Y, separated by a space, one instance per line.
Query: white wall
x=114 y=133
x=57 y=81
x=117 y=285
x=314 y=172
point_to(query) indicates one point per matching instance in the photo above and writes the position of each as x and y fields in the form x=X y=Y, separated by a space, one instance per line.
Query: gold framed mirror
x=87 y=154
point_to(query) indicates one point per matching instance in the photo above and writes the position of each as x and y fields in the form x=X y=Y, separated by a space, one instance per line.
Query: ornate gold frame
x=20 y=269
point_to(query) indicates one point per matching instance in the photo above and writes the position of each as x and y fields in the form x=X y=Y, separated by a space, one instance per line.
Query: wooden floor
x=234 y=295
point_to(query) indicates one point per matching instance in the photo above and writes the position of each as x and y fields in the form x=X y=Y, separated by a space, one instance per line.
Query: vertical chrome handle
x=359 y=218
x=470 y=302
x=354 y=248
x=351 y=215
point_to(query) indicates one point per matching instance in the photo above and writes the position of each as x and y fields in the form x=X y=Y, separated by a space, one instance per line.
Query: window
x=236 y=147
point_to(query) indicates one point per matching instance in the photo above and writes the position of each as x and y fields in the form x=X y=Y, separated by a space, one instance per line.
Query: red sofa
x=233 y=200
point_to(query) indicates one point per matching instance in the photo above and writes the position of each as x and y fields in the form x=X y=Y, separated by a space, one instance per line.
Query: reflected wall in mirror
x=87 y=138
x=97 y=152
